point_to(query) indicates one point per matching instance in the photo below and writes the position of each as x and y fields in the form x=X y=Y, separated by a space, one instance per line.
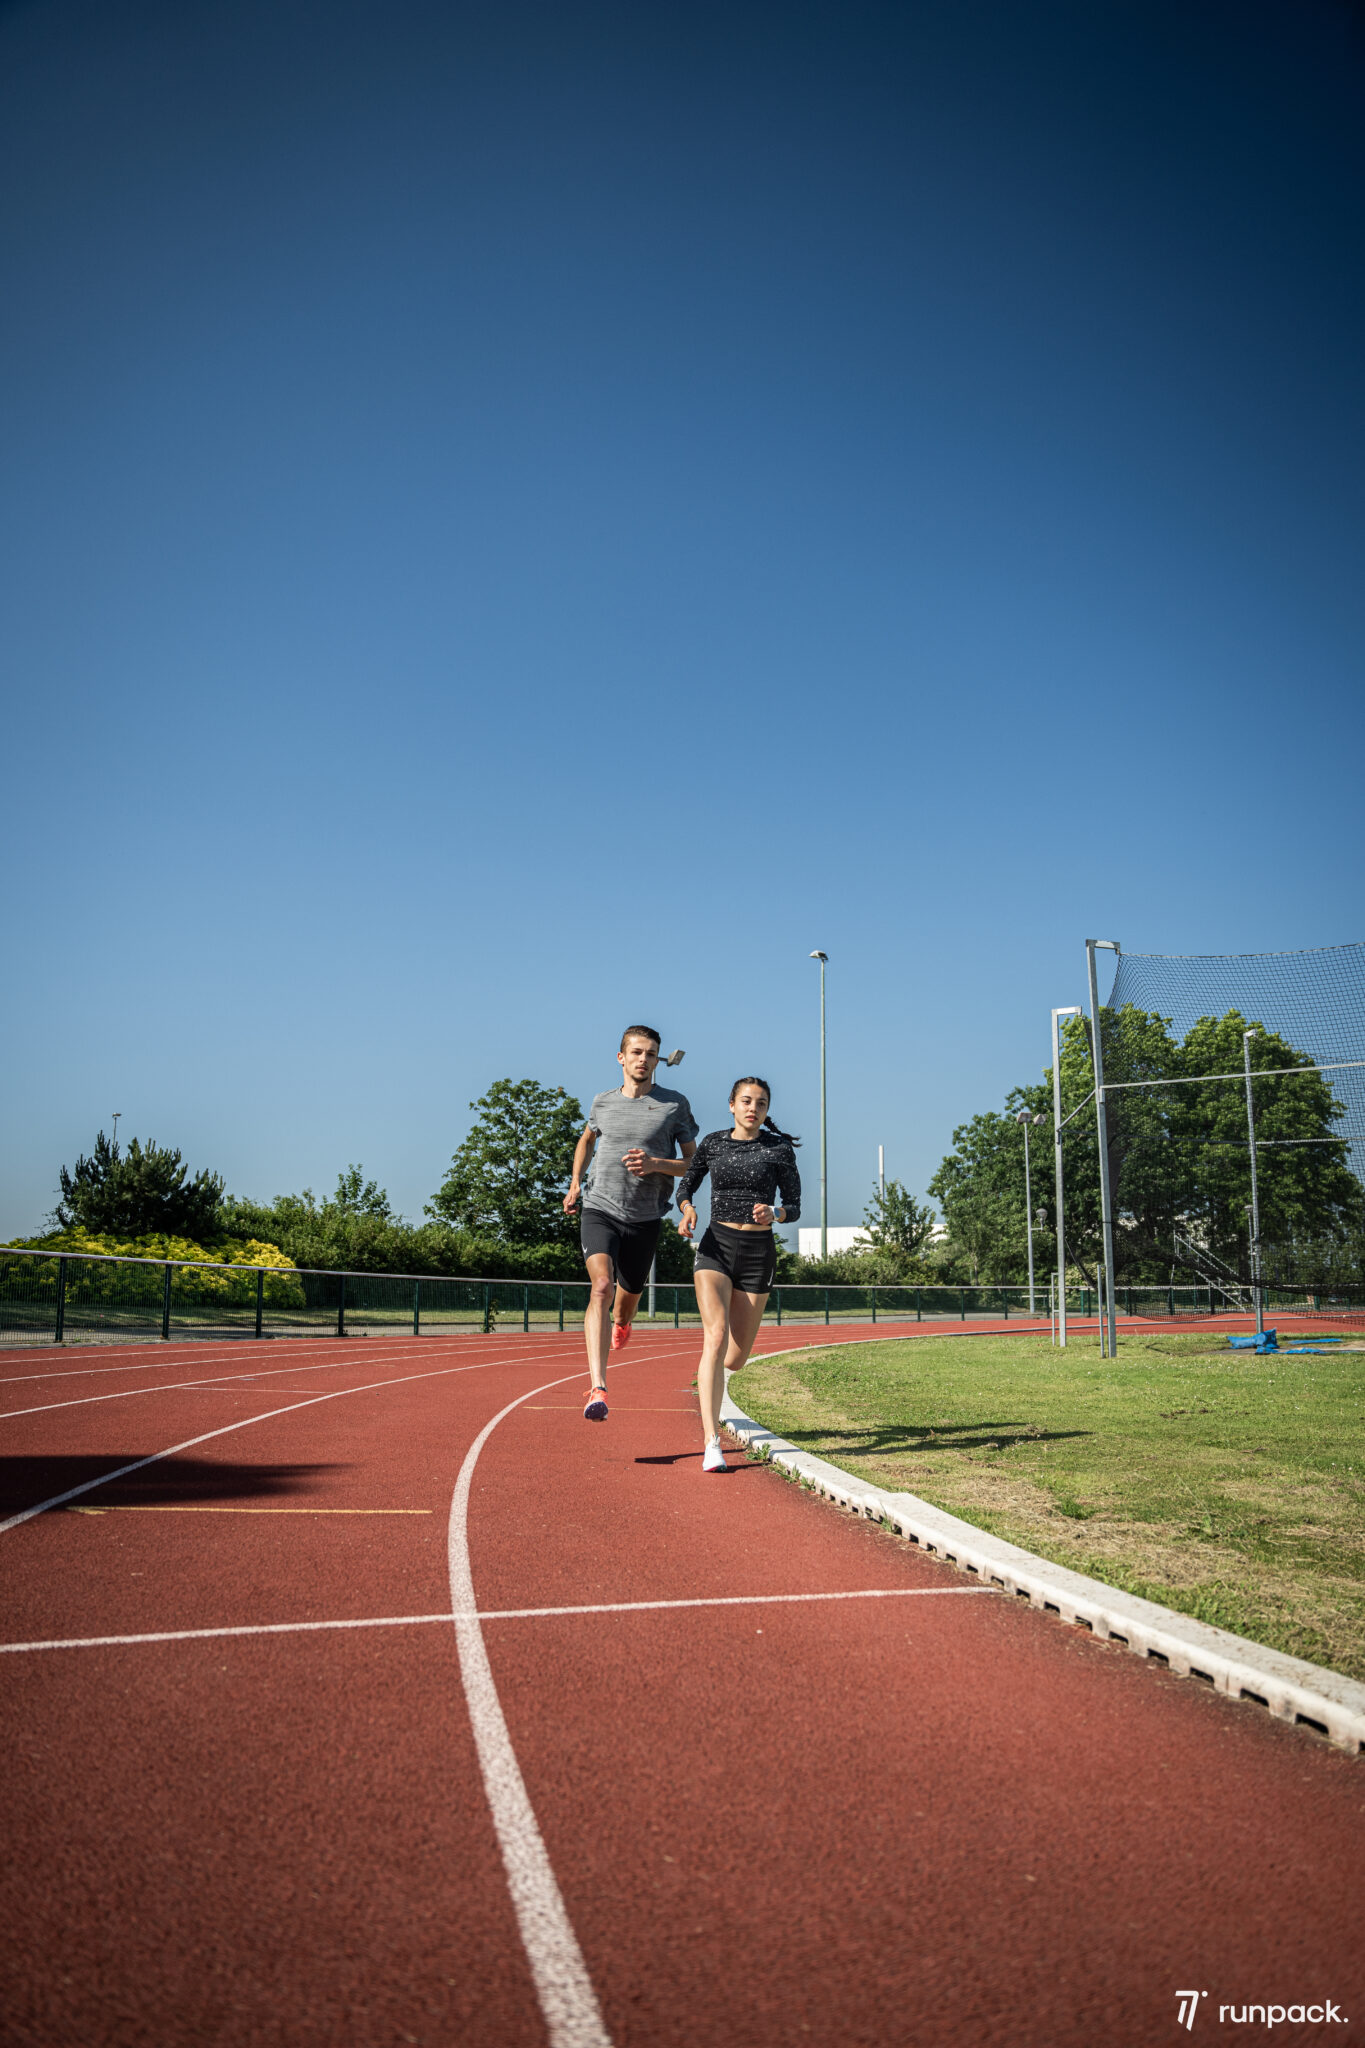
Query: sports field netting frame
x=89 y=1298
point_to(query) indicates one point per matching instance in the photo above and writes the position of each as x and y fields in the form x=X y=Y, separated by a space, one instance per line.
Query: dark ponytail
x=757 y=1081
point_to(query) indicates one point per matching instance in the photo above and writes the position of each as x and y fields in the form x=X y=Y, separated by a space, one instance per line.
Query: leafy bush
x=193 y=1275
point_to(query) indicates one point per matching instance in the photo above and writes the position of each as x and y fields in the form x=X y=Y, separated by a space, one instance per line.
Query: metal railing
x=87 y=1297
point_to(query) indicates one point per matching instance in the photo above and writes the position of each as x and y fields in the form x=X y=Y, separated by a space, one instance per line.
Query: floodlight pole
x=1247 y=1037
x=675 y=1059
x=881 y=1171
x=1057 y=1142
x=1023 y=1117
x=823 y=958
x=1102 y=1125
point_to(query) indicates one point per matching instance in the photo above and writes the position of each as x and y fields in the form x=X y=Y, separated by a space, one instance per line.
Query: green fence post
x=59 y=1335
x=962 y=1298
x=778 y=1292
x=561 y=1311
x=260 y=1300
x=341 y=1305
x=919 y=1306
x=526 y=1307
x=874 y=1304
x=485 y=1308
x=1005 y=1298
x=827 y=1304
x=166 y=1304
x=676 y=1292
x=1170 y=1301
x=416 y=1308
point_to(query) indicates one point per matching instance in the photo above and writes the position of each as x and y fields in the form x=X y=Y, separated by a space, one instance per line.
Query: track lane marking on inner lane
x=58 y=1500
x=217 y=1382
x=573 y=2018
x=274 y=1348
x=286 y=1628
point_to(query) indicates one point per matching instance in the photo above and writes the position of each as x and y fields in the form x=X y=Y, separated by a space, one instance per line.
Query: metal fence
x=84 y=1298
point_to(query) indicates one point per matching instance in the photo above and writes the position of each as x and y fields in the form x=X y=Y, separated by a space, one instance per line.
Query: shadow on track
x=24 y=1481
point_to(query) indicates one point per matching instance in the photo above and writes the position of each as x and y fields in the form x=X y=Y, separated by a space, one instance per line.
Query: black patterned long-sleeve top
x=744 y=1171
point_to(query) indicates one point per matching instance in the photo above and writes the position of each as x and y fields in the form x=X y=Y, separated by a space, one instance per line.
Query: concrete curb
x=1289 y=1687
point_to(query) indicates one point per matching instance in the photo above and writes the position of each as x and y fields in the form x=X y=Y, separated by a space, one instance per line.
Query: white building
x=843 y=1237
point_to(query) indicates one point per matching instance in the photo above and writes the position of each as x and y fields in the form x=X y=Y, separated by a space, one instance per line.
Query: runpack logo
x=1266 y=2015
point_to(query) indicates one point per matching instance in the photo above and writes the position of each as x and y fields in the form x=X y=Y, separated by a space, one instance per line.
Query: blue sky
x=519 y=520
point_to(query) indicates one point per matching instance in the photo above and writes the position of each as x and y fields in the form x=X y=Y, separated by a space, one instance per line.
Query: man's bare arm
x=582 y=1153
x=640 y=1163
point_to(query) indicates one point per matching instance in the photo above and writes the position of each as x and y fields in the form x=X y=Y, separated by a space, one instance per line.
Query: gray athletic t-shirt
x=655 y=1122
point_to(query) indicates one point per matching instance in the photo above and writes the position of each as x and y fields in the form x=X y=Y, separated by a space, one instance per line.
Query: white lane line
x=58 y=1500
x=216 y=1382
x=288 y=1628
x=277 y=1348
x=573 y=2018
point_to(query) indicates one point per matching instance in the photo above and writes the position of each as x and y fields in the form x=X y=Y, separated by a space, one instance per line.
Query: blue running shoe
x=596 y=1410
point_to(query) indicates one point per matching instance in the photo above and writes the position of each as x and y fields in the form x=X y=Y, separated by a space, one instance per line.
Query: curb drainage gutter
x=1290 y=1688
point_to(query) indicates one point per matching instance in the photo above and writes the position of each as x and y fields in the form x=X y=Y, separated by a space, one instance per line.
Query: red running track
x=929 y=1816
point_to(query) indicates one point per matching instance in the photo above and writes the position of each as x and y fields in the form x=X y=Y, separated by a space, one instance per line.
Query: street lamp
x=675 y=1059
x=823 y=958
x=1025 y=1118
x=1247 y=1037
x=1074 y=1011
x=116 y=1114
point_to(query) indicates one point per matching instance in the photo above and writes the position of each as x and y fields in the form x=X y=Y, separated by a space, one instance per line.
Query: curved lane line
x=303 y=1628
x=269 y=1348
x=338 y=1394
x=573 y=2018
x=225 y=1380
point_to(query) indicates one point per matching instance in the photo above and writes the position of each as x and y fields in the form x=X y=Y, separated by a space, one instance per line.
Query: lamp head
x=819 y=956
x=675 y=1059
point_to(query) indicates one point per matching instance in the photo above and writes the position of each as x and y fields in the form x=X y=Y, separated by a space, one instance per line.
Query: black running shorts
x=748 y=1258
x=629 y=1246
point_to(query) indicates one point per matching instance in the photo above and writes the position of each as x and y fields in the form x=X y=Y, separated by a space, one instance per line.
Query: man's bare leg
x=597 y=1321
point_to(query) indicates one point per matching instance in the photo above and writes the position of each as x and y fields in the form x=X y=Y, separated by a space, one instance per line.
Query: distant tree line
x=1179 y=1159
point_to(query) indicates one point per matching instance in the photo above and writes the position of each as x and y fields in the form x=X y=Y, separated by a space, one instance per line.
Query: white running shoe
x=713 y=1457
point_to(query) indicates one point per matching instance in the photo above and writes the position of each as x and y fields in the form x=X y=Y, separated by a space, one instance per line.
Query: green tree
x=142 y=1192
x=898 y=1231
x=356 y=1196
x=508 y=1177
x=1178 y=1155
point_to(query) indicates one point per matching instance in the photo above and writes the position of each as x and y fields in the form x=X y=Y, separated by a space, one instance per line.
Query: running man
x=638 y=1126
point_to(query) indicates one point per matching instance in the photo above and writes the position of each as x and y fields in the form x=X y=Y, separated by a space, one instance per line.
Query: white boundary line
x=226 y=1380
x=58 y=1500
x=279 y=1347
x=290 y=1628
x=1290 y=1687
x=573 y=2018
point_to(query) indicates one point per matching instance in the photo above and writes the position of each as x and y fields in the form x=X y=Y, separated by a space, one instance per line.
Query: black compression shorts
x=748 y=1258
x=629 y=1246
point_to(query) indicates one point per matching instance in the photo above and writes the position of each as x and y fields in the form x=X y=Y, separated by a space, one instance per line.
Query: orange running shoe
x=620 y=1336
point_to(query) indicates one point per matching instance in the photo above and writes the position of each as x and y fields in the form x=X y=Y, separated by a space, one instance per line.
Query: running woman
x=737 y=1257
x=637 y=1127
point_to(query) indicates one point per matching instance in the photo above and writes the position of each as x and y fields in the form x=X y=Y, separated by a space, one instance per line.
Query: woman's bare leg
x=714 y=1291
x=746 y=1319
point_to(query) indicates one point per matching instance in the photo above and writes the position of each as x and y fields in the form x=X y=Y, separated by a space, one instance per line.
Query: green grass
x=1228 y=1486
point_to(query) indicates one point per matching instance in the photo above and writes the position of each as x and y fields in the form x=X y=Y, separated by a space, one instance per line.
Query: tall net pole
x=1102 y=1126
x=1057 y=1144
x=1247 y=1037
